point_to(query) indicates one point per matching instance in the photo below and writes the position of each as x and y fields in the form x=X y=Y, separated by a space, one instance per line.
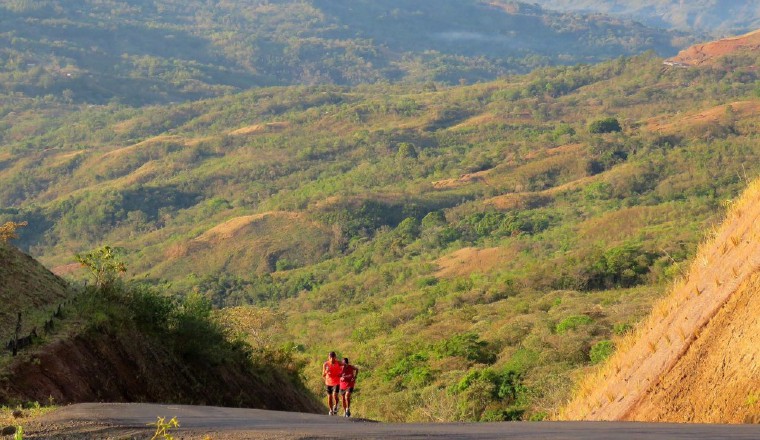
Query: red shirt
x=331 y=371
x=348 y=377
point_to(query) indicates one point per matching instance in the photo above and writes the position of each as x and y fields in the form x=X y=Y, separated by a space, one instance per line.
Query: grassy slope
x=694 y=358
x=569 y=212
x=28 y=288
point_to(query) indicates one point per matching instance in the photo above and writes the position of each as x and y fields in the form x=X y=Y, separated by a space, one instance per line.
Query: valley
x=474 y=246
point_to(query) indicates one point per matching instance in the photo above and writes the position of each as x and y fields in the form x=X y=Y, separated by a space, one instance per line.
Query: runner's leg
x=330 y=399
x=337 y=392
x=347 y=402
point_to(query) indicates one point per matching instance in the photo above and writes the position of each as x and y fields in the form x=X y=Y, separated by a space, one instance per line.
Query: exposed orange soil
x=709 y=53
x=259 y=128
x=710 y=116
x=470 y=260
x=663 y=371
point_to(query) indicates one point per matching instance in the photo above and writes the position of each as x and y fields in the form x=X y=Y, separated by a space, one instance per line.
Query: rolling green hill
x=470 y=248
x=144 y=51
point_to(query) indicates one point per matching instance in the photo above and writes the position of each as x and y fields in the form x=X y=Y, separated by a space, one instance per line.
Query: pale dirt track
x=129 y=421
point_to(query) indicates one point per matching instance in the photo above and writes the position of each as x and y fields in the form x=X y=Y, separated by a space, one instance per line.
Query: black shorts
x=333 y=389
x=343 y=391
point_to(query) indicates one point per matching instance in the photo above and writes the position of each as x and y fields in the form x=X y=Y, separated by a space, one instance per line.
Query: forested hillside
x=147 y=51
x=719 y=17
x=468 y=247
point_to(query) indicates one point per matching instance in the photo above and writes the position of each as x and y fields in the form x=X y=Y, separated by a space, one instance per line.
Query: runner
x=347 y=382
x=331 y=371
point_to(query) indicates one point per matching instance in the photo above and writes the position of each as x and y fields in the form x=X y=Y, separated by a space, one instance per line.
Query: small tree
x=104 y=264
x=8 y=230
x=606 y=125
x=406 y=150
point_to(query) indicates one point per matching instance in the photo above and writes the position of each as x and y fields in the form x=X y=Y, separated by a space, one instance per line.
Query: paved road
x=115 y=420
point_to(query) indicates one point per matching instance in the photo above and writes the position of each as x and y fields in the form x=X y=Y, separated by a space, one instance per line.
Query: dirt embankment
x=133 y=367
x=718 y=379
x=697 y=357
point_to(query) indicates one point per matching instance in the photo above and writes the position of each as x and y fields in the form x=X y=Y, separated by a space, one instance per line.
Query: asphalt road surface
x=131 y=421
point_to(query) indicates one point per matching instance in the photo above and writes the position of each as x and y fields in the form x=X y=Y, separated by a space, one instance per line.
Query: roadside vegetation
x=172 y=349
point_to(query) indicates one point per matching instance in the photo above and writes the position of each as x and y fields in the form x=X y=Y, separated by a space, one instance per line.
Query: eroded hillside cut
x=696 y=358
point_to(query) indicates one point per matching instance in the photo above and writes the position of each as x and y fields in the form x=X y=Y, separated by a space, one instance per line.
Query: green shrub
x=572 y=323
x=150 y=308
x=621 y=328
x=606 y=125
x=601 y=351
x=623 y=266
x=502 y=415
x=503 y=386
x=468 y=346
x=410 y=372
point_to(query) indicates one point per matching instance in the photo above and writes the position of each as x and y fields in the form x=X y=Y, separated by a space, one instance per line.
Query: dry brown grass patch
x=259 y=128
x=232 y=227
x=470 y=260
x=742 y=109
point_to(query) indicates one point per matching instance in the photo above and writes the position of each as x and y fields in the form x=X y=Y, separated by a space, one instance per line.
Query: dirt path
x=129 y=421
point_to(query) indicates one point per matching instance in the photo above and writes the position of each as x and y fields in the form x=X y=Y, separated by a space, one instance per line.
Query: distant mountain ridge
x=712 y=16
x=147 y=51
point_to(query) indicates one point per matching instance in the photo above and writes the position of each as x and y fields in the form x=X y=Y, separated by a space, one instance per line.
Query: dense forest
x=140 y=52
x=469 y=247
x=718 y=17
